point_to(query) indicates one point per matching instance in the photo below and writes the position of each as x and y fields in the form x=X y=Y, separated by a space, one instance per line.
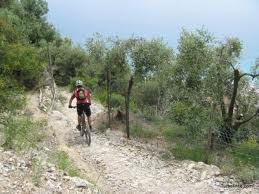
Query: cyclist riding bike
x=82 y=96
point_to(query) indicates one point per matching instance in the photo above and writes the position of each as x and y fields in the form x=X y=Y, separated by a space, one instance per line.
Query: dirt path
x=117 y=165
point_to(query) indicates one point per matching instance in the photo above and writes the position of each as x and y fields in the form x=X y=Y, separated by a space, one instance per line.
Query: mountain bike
x=84 y=129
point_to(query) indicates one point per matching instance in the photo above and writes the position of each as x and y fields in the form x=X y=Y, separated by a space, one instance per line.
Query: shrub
x=247 y=173
x=189 y=152
x=102 y=97
x=63 y=162
x=15 y=93
x=247 y=152
x=146 y=94
x=138 y=130
x=179 y=112
x=175 y=133
x=117 y=101
x=22 y=133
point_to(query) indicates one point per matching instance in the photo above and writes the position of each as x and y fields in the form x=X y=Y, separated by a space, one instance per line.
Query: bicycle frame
x=84 y=129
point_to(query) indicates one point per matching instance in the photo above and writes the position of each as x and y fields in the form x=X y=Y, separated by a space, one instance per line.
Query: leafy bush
x=231 y=165
x=23 y=63
x=138 y=130
x=174 y=134
x=189 y=152
x=247 y=152
x=247 y=173
x=11 y=99
x=117 y=101
x=179 y=112
x=68 y=59
x=146 y=94
x=133 y=106
x=22 y=133
x=102 y=97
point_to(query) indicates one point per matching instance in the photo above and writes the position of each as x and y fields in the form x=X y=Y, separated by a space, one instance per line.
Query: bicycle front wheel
x=88 y=137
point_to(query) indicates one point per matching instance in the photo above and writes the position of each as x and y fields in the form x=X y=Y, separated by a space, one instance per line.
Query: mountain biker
x=82 y=96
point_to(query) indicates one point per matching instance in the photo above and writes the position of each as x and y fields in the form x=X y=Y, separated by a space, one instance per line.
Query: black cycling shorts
x=83 y=108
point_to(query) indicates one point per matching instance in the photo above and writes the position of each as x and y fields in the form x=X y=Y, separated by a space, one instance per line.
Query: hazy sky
x=79 y=19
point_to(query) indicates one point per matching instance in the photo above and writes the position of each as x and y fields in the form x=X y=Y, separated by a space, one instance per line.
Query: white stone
x=80 y=182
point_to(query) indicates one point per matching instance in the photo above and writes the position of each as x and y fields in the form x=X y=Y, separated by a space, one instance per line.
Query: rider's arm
x=71 y=99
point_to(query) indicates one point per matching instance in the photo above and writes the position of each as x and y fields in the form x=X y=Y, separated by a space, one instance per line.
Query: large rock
x=81 y=183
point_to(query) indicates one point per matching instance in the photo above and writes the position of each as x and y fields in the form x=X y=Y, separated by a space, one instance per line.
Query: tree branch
x=249 y=74
x=237 y=124
x=232 y=66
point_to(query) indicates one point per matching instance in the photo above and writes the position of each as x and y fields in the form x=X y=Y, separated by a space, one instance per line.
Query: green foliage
x=235 y=164
x=21 y=64
x=10 y=27
x=195 y=118
x=22 y=27
x=22 y=133
x=247 y=174
x=102 y=97
x=147 y=93
x=37 y=172
x=180 y=111
x=189 y=152
x=67 y=59
x=11 y=96
x=174 y=134
x=64 y=163
x=35 y=8
x=148 y=56
x=5 y=3
x=138 y=130
x=194 y=57
x=133 y=106
x=117 y=101
x=247 y=152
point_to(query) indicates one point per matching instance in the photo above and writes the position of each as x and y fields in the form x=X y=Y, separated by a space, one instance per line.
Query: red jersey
x=83 y=97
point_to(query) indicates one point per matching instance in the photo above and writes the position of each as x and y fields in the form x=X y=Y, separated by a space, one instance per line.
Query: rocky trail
x=112 y=164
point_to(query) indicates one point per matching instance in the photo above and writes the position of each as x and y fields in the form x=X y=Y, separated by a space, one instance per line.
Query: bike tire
x=82 y=131
x=88 y=137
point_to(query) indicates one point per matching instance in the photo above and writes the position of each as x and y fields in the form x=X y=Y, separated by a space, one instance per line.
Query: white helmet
x=79 y=83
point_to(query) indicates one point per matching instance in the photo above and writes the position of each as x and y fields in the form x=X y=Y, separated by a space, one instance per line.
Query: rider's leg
x=79 y=119
x=89 y=122
x=88 y=114
x=79 y=116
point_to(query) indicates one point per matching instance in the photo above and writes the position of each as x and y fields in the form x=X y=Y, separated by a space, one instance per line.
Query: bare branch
x=232 y=66
x=237 y=124
x=249 y=74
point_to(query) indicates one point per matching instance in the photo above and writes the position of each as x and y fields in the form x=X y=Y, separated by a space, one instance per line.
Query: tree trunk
x=234 y=95
x=228 y=131
x=127 y=100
